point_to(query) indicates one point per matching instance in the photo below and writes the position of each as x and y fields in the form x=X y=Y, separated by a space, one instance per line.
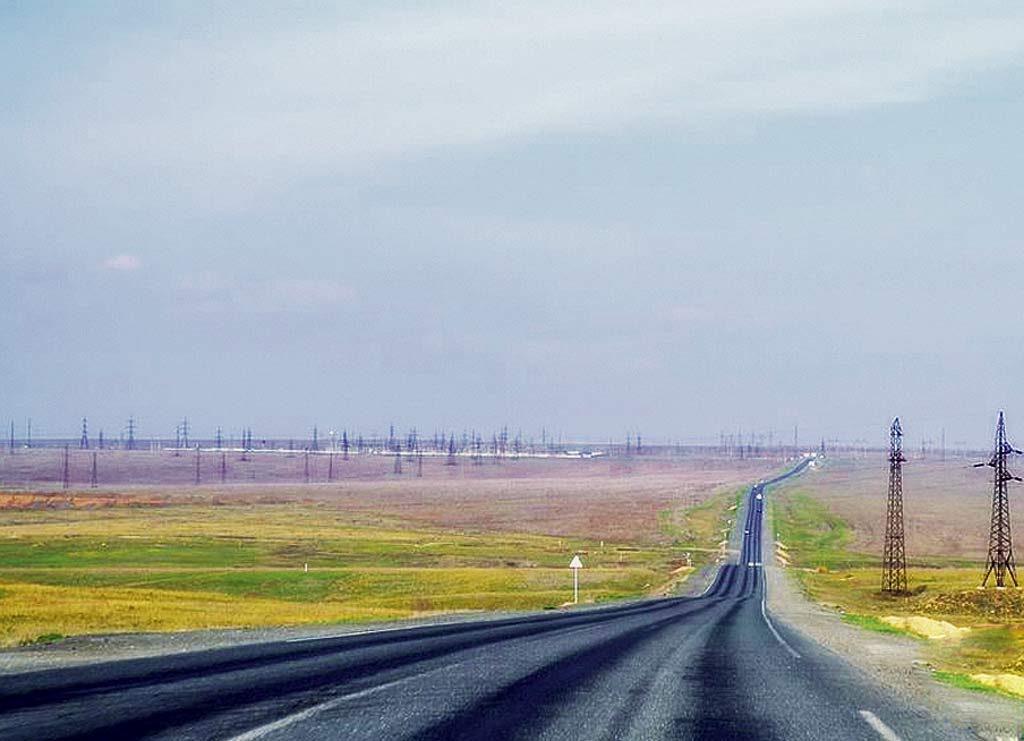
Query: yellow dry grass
x=32 y=610
x=1012 y=683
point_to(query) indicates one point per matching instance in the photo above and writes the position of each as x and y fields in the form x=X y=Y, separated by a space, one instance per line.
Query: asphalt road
x=713 y=666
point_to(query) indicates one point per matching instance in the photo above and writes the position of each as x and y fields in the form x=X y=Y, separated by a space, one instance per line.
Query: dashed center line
x=289 y=720
x=880 y=728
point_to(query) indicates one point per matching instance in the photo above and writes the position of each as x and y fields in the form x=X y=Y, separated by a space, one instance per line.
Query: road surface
x=713 y=666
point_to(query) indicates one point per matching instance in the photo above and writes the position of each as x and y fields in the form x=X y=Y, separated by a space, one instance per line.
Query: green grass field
x=68 y=572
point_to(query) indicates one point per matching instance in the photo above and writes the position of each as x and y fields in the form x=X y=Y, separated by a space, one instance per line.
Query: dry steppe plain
x=148 y=550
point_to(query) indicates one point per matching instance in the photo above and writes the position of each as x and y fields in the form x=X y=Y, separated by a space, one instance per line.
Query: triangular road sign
x=576 y=563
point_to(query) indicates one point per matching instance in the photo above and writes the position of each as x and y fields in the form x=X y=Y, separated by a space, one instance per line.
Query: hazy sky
x=597 y=217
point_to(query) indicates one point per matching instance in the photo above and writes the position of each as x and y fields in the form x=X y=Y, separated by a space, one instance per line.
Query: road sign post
x=576 y=564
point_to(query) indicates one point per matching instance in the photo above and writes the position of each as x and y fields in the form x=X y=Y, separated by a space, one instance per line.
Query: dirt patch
x=982 y=603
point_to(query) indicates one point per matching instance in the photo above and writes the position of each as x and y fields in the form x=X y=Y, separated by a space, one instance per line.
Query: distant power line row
x=499 y=441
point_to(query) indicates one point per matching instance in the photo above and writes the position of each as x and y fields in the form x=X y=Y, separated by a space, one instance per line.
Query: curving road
x=713 y=666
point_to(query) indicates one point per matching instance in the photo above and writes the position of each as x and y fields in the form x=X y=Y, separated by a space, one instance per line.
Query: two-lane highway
x=713 y=666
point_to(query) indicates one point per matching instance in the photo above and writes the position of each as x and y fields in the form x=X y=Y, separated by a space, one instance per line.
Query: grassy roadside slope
x=830 y=569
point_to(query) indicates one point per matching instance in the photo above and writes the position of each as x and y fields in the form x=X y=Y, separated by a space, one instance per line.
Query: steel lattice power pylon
x=894 y=560
x=1000 y=545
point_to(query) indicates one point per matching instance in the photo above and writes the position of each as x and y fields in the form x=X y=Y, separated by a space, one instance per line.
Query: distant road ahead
x=707 y=667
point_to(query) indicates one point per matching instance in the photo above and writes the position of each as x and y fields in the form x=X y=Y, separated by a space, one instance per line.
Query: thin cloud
x=321 y=93
x=209 y=292
x=122 y=263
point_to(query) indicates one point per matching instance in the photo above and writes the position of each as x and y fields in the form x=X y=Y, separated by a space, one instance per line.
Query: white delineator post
x=576 y=564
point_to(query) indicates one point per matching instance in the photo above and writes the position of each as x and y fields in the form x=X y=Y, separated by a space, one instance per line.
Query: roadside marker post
x=576 y=564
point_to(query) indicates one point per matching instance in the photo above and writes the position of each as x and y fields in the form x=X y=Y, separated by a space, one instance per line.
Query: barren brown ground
x=946 y=503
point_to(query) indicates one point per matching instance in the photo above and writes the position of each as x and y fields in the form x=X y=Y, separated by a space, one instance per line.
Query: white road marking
x=775 y=633
x=764 y=614
x=880 y=728
x=354 y=633
x=289 y=720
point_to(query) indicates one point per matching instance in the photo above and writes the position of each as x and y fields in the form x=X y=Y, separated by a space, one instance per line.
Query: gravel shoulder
x=896 y=662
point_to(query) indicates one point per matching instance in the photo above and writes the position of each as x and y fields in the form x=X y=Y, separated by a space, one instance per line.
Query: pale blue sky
x=596 y=217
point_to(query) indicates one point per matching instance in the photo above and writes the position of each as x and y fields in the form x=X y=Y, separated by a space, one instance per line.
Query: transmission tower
x=894 y=559
x=184 y=432
x=84 y=442
x=131 y=433
x=66 y=477
x=1000 y=546
x=451 y=451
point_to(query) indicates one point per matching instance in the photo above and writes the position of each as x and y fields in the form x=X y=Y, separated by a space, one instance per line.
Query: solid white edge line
x=771 y=627
x=764 y=612
x=880 y=728
x=355 y=633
